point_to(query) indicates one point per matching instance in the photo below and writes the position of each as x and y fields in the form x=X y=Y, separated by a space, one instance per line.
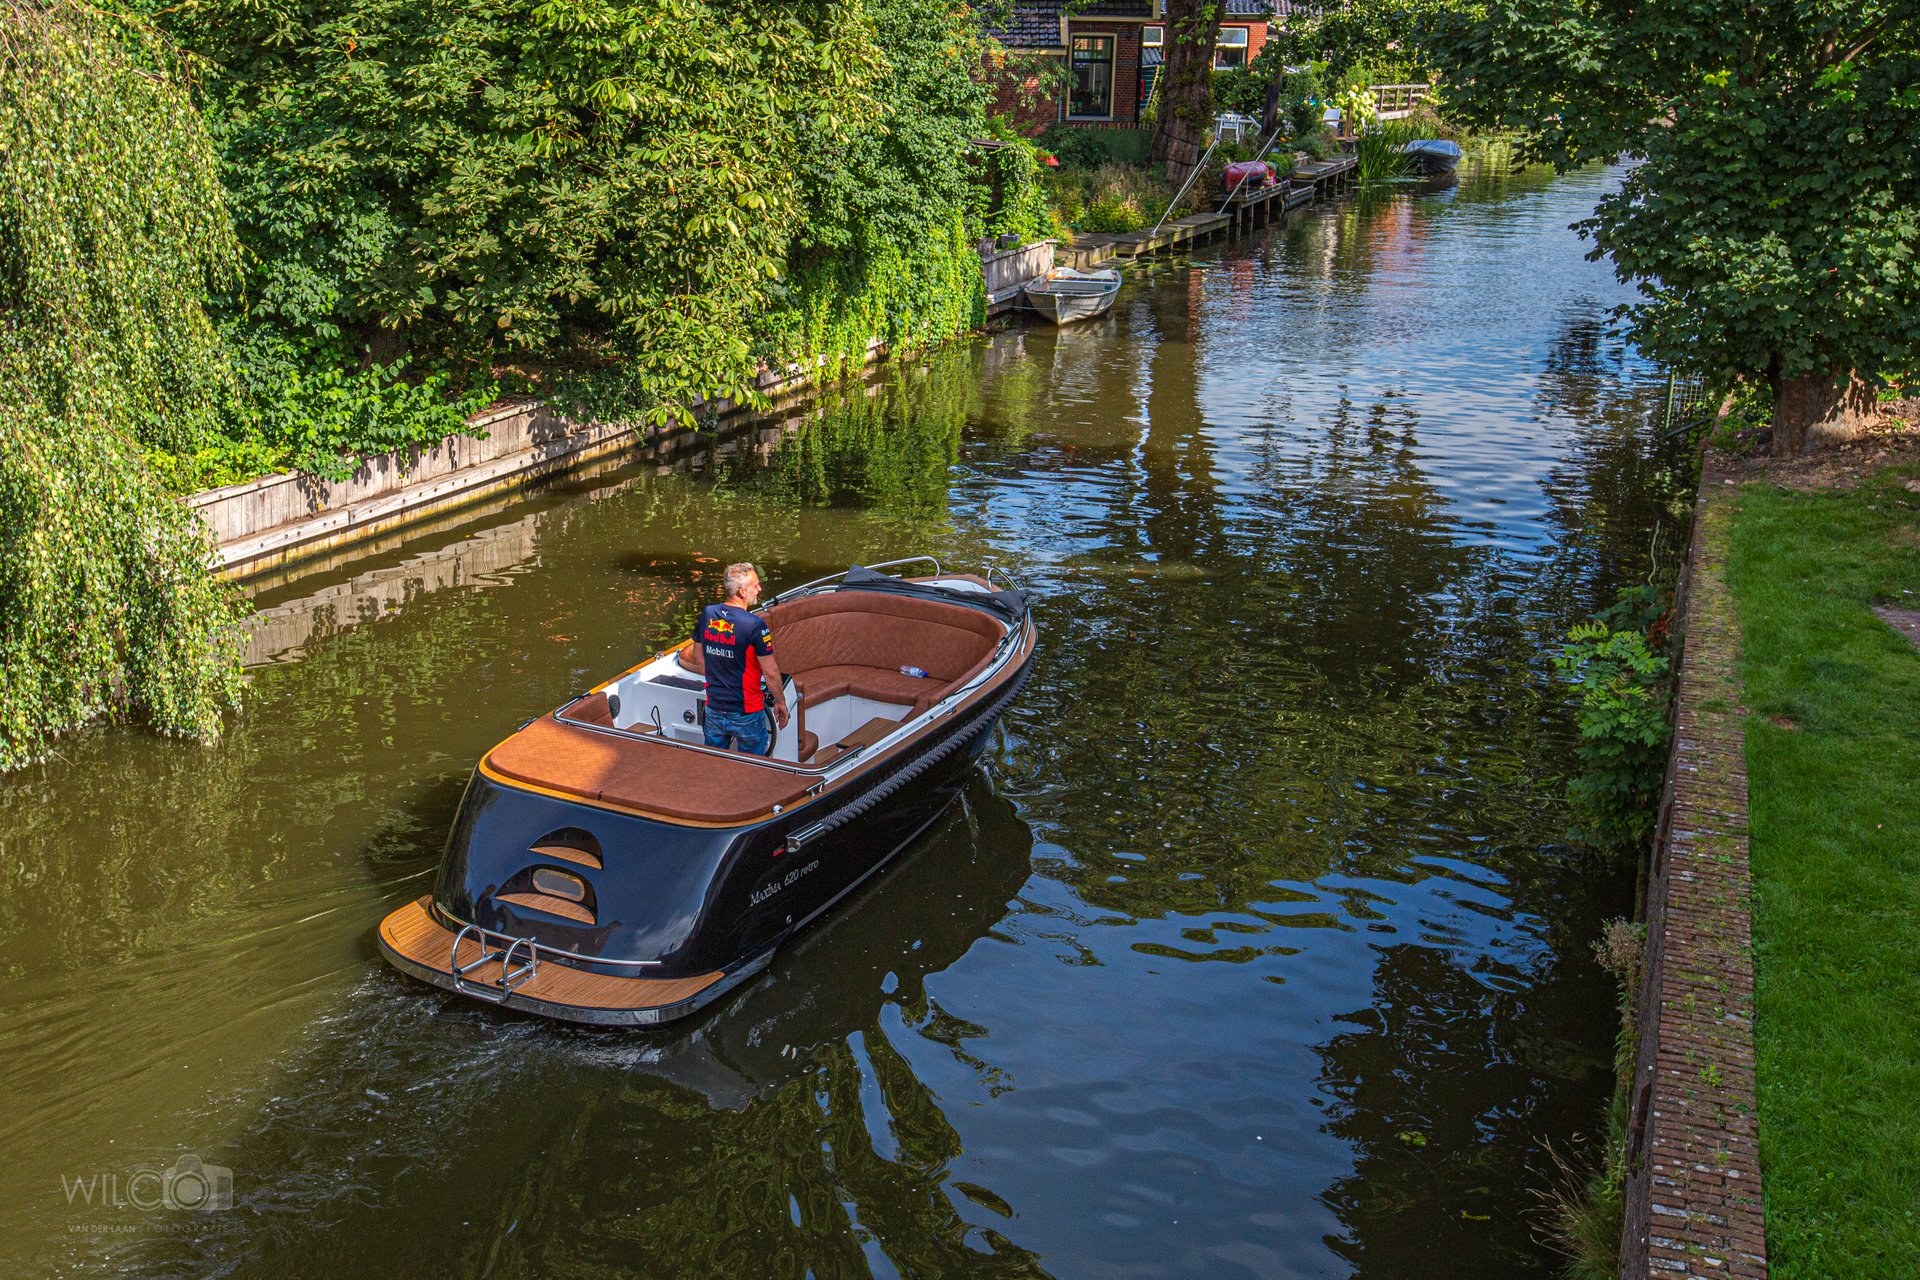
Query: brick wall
x=1018 y=96
x=1256 y=39
x=1693 y=1204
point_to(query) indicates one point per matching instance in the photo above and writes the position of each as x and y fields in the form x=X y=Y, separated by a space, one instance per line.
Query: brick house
x=1109 y=52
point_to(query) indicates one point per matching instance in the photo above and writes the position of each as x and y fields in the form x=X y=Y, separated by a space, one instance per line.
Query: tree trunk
x=1818 y=411
x=1186 y=86
x=1270 y=112
x=379 y=344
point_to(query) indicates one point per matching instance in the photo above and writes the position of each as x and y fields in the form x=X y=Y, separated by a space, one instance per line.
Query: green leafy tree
x=493 y=176
x=1379 y=34
x=113 y=234
x=1771 y=226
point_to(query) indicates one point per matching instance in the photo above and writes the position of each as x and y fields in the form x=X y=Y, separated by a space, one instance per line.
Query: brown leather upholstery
x=592 y=709
x=823 y=684
x=645 y=774
x=855 y=642
x=867 y=629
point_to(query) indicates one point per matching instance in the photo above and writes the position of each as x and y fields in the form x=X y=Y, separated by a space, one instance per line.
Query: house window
x=1231 y=51
x=1092 y=93
x=1152 y=36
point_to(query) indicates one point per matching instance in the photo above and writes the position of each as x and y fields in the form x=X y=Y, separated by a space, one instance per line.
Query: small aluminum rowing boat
x=607 y=866
x=1064 y=295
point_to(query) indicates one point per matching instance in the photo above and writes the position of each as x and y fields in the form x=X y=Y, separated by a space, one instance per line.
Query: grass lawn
x=1833 y=759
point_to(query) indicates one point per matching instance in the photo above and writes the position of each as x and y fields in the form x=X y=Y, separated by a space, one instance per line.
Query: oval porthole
x=561 y=884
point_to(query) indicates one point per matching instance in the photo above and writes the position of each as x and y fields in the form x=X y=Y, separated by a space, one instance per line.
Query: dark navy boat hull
x=673 y=902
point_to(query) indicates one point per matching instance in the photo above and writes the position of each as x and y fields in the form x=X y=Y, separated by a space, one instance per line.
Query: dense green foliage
x=1009 y=198
x=1381 y=36
x=1832 y=751
x=310 y=406
x=677 y=189
x=1112 y=197
x=1773 y=228
x=1086 y=148
x=466 y=176
x=1622 y=721
x=112 y=231
x=626 y=206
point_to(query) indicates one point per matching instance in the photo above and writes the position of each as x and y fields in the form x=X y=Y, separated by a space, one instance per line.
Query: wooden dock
x=1007 y=272
x=1314 y=180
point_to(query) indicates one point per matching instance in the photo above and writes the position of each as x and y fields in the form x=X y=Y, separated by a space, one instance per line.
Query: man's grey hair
x=736 y=578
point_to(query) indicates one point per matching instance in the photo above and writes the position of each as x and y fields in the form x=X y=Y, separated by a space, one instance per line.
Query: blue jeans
x=746 y=733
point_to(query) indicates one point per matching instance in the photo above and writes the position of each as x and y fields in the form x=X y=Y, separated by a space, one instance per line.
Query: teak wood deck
x=414 y=934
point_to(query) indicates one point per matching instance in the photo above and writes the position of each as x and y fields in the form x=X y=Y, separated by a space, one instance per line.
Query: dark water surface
x=1254 y=950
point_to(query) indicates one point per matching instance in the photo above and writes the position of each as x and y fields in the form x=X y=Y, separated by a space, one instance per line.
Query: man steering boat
x=738 y=648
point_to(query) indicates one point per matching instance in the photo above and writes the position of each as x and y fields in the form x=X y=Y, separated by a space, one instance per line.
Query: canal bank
x=1256 y=947
x=1693 y=1198
x=1770 y=1131
x=276 y=522
x=1824 y=568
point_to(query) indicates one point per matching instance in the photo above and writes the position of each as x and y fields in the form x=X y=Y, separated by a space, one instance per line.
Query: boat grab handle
x=884 y=564
x=511 y=977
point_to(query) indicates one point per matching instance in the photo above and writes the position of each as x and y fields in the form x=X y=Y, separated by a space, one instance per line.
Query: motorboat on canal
x=1065 y=295
x=606 y=866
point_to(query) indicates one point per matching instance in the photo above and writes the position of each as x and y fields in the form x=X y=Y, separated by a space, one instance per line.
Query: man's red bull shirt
x=733 y=640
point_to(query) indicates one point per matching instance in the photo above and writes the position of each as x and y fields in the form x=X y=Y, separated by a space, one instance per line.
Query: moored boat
x=1433 y=156
x=1065 y=295
x=606 y=866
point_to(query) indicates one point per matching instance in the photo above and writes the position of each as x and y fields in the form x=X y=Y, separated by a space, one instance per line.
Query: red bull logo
x=720 y=629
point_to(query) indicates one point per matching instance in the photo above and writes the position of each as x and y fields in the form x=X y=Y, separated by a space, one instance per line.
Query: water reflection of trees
x=1443 y=1085
x=1621 y=496
x=1266 y=695
x=885 y=445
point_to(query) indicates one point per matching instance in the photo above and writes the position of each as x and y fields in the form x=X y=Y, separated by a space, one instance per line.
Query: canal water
x=1256 y=947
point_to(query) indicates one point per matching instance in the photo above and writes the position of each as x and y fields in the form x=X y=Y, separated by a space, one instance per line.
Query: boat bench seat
x=854 y=643
x=823 y=684
x=650 y=774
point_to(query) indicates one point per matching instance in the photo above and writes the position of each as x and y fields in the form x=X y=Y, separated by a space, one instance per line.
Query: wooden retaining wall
x=1693 y=1198
x=263 y=524
x=1008 y=271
